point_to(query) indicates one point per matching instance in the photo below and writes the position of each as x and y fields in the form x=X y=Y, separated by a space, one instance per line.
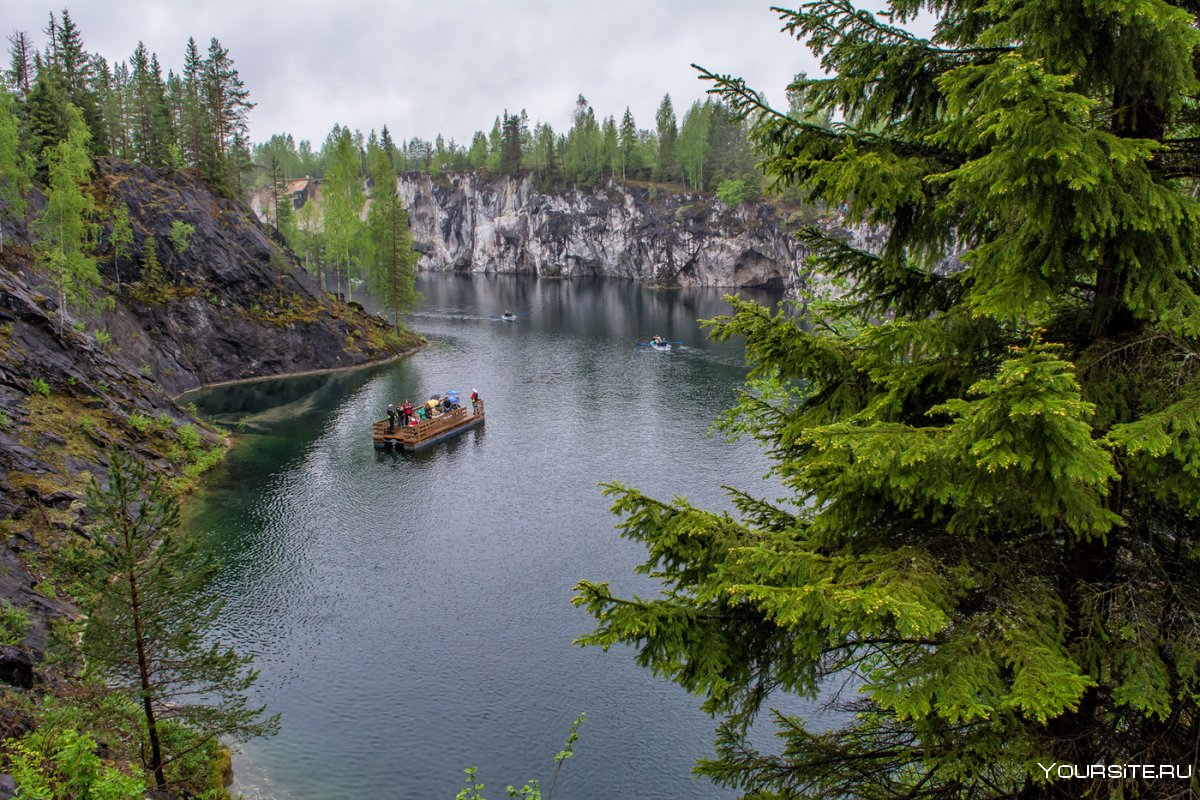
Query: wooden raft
x=429 y=431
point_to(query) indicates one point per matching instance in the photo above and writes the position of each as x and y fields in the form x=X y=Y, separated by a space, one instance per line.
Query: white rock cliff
x=473 y=223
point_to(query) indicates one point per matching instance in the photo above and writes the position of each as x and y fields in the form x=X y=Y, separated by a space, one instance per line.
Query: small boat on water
x=508 y=316
x=658 y=343
x=421 y=433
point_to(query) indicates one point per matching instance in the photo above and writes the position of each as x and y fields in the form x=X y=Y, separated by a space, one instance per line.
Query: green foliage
x=986 y=555
x=153 y=288
x=139 y=423
x=14 y=623
x=532 y=789
x=121 y=238
x=343 y=225
x=181 y=235
x=65 y=224
x=5 y=420
x=733 y=193
x=391 y=272
x=103 y=338
x=57 y=762
x=14 y=166
x=189 y=437
x=39 y=386
x=145 y=631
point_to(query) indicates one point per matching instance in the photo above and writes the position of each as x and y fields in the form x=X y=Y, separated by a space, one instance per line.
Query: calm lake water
x=410 y=613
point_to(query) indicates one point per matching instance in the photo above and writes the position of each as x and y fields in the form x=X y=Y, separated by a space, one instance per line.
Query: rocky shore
x=230 y=305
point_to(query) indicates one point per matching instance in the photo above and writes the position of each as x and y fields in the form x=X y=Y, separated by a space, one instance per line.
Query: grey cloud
x=450 y=67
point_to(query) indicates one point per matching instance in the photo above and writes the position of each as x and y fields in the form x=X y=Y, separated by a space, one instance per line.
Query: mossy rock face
x=233 y=304
x=219 y=310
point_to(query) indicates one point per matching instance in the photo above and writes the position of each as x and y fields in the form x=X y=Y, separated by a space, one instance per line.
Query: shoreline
x=303 y=373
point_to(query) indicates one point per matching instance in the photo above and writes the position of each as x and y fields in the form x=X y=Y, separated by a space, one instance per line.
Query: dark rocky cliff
x=236 y=304
x=233 y=305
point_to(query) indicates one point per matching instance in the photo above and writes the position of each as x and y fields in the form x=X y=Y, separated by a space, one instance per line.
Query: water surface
x=410 y=613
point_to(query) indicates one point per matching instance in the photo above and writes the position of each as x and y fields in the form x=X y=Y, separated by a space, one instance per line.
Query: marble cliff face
x=475 y=223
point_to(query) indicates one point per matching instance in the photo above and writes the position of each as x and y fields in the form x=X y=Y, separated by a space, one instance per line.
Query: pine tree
x=146 y=627
x=226 y=106
x=989 y=434
x=20 y=72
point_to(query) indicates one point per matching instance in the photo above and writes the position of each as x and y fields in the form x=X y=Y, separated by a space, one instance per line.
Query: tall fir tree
x=510 y=144
x=391 y=273
x=150 y=116
x=610 y=148
x=989 y=431
x=194 y=123
x=668 y=131
x=628 y=143
x=389 y=146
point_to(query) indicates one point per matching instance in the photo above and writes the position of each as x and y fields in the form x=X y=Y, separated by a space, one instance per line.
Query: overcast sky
x=449 y=66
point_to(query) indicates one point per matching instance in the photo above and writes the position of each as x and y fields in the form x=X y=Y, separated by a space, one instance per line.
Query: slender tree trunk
x=395 y=268
x=156 y=759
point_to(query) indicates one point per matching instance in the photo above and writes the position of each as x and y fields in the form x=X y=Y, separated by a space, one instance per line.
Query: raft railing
x=428 y=428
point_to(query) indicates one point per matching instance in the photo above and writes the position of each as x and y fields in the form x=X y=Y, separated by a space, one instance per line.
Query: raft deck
x=429 y=431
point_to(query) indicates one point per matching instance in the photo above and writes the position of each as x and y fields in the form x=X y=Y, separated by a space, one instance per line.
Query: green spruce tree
x=391 y=272
x=668 y=131
x=990 y=433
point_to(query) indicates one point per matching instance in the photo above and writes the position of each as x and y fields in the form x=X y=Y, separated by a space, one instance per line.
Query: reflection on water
x=410 y=613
